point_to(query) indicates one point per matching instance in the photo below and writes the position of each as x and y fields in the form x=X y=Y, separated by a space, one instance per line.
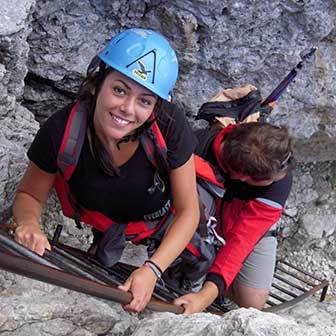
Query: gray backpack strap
x=73 y=140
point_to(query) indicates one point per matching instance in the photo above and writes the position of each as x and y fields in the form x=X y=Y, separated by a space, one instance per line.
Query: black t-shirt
x=277 y=191
x=126 y=197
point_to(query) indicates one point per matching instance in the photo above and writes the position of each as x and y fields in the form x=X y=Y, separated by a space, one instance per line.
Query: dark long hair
x=88 y=92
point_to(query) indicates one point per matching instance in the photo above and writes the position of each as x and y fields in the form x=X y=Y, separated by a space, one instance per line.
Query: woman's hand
x=197 y=302
x=141 y=284
x=31 y=236
x=29 y=200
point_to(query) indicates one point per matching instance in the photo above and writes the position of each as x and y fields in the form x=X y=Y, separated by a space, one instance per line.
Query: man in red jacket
x=256 y=160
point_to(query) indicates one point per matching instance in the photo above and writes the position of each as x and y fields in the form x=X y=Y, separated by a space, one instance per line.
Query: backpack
x=67 y=159
x=232 y=106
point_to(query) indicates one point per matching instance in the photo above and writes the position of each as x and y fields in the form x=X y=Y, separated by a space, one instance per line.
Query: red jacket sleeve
x=244 y=223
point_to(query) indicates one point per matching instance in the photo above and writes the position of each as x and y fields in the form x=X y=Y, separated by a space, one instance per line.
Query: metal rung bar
x=300 y=298
x=279 y=298
x=18 y=249
x=79 y=267
x=279 y=277
x=92 y=262
x=88 y=266
x=272 y=304
x=300 y=270
x=284 y=290
x=104 y=273
x=324 y=291
x=52 y=276
x=296 y=276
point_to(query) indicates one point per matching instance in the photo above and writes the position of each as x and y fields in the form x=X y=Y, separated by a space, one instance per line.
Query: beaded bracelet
x=154 y=267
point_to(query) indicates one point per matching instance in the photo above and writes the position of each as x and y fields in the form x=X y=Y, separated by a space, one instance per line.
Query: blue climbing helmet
x=144 y=56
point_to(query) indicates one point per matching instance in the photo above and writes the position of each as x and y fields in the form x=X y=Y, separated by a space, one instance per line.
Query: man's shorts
x=258 y=267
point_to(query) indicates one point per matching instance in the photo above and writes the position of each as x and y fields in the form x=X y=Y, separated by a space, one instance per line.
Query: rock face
x=45 y=47
x=18 y=125
x=32 y=308
x=219 y=44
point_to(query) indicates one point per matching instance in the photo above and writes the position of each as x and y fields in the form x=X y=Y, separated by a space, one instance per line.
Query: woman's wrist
x=155 y=268
x=32 y=222
x=27 y=226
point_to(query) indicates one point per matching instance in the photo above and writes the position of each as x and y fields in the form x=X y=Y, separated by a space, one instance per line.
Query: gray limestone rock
x=48 y=44
x=16 y=134
x=17 y=124
x=28 y=306
x=14 y=30
x=319 y=226
x=211 y=39
x=39 y=309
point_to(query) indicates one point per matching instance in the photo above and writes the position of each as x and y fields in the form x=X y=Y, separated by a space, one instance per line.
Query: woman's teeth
x=120 y=121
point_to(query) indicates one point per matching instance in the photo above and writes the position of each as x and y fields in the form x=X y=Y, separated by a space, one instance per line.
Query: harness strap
x=78 y=210
x=147 y=142
x=68 y=156
x=72 y=141
x=206 y=174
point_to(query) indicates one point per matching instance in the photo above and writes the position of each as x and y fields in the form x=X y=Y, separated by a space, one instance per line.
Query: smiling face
x=122 y=106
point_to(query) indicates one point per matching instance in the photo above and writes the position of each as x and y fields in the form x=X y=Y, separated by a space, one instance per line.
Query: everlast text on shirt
x=158 y=213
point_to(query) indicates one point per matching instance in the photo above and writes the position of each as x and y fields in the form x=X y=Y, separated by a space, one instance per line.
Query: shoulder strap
x=72 y=142
x=204 y=170
x=151 y=139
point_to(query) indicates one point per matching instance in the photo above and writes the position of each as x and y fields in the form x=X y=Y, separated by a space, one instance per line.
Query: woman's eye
x=118 y=90
x=146 y=102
